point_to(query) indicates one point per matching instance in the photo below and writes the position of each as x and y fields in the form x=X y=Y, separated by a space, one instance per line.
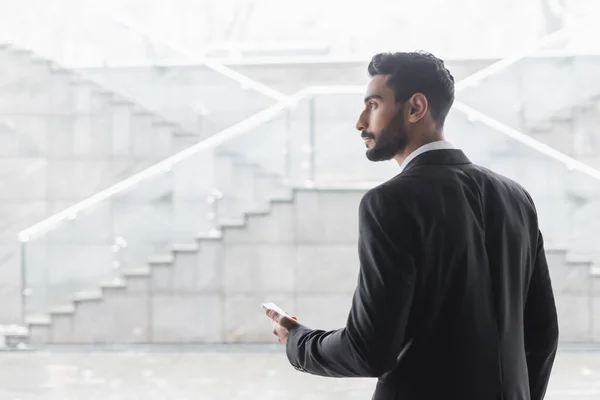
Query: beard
x=391 y=141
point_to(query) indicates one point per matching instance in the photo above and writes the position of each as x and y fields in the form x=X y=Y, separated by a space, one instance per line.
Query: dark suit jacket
x=453 y=300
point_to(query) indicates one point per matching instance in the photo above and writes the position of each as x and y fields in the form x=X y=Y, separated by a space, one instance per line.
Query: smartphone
x=274 y=307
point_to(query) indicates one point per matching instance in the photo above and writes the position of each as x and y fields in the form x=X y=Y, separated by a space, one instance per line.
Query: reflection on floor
x=215 y=373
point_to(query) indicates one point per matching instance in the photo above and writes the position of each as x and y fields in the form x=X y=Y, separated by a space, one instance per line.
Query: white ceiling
x=75 y=32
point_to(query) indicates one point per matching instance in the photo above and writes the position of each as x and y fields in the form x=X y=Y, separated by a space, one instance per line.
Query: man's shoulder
x=497 y=182
x=418 y=183
x=391 y=191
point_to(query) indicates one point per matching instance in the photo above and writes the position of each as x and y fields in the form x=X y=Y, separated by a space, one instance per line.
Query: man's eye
x=372 y=104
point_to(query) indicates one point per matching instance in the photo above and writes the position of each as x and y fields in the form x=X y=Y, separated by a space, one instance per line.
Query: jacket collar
x=439 y=157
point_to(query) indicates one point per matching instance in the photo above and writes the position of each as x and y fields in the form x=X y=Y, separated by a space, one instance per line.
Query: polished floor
x=215 y=373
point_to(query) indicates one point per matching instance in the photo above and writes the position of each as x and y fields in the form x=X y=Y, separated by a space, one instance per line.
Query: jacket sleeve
x=541 y=325
x=374 y=335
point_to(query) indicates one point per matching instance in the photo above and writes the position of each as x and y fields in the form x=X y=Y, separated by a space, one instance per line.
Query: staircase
x=574 y=131
x=86 y=135
x=63 y=138
x=196 y=249
x=300 y=253
x=195 y=96
x=567 y=199
x=552 y=96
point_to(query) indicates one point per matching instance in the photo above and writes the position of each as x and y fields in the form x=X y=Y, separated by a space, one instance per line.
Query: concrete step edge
x=161 y=259
x=14 y=330
x=185 y=248
x=215 y=234
x=116 y=283
x=38 y=319
x=62 y=310
x=137 y=272
x=87 y=295
x=232 y=222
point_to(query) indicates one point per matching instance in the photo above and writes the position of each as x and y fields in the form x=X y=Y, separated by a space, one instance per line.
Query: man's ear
x=417 y=107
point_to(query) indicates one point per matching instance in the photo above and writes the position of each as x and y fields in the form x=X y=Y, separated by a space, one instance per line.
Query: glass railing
x=308 y=140
x=566 y=192
x=188 y=194
x=551 y=94
x=548 y=101
x=201 y=96
x=200 y=99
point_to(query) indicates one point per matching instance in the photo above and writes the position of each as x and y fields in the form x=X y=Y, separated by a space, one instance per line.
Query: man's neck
x=400 y=157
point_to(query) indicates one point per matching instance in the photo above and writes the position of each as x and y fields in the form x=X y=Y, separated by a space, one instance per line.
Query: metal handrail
x=570 y=162
x=475 y=115
x=105 y=87
x=232 y=132
x=265 y=116
x=163 y=166
x=475 y=78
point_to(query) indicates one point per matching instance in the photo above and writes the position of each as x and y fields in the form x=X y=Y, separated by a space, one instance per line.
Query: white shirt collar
x=439 y=145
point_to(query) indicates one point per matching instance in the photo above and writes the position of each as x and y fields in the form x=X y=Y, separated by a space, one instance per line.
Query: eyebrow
x=373 y=96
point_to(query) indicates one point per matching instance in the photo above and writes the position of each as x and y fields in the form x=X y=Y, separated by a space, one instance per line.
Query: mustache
x=367 y=135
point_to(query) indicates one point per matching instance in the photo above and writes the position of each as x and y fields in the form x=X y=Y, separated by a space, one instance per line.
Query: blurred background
x=167 y=166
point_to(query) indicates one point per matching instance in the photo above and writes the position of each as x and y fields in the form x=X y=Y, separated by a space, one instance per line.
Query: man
x=454 y=300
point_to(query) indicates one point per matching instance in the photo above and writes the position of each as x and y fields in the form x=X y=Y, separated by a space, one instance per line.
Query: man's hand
x=281 y=325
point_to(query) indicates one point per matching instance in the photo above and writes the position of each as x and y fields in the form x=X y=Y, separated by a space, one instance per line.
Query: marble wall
x=196 y=97
x=169 y=210
x=62 y=139
x=302 y=256
x=524 y=94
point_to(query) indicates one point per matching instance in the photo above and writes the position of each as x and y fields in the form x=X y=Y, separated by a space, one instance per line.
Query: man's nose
x=361 y=124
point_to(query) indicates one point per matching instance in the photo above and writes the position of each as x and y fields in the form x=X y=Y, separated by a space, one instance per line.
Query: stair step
x=182 y=132
x=162 y=122
x=539 y=133
x=210 y=235
x=232 y=222
x=22 y=51
x=91 y=295
x=565 y=113
x=185 y=248
x=259 y=212
x=246 y=164
x=265 y=174
x=79 y=80
x=38 y=60
x=578 y=261
x=117 y=100
x=62 y=310
x=13 y=330
x=228 y=154
x=57 y=69
x=161 y=259
x=104 y=92
x=116 y=283
x=138 y=110
x=137 y=272
x=38 y=319
x=281 y=199
x=15 y=343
